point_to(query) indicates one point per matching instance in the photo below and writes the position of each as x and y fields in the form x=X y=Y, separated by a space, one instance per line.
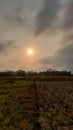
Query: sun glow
x=30 y=51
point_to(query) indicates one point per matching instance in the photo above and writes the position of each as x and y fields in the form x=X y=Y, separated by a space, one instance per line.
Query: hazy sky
x=46 y=26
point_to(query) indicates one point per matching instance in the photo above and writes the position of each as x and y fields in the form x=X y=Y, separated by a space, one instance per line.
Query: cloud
x=16 y=16
x=55 y=14
x=16 y=20
x=63 y=58
x=68 y=21
x=47 y=18
x=67 y=25
x=5 y=45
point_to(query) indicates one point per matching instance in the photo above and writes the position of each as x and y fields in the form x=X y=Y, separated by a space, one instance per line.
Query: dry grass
x=40 y=105
x=56 y=104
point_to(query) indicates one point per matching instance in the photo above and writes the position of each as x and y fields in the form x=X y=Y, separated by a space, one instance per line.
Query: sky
x=45 y=26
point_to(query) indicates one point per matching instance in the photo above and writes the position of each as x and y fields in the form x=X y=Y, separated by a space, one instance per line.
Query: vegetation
x=56 y=105
x=17 y=105
x=49 y=72
x=36 y=105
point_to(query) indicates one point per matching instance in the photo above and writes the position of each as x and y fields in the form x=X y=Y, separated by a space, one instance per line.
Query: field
x=36 y=103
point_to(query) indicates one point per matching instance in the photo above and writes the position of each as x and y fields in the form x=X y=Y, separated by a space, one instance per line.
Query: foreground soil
x=36 y=105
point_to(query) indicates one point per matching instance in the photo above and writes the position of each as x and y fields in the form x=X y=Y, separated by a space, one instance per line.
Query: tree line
x=49 y=72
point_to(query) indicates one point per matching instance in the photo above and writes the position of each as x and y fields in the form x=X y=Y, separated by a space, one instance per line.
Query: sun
x=30 y=52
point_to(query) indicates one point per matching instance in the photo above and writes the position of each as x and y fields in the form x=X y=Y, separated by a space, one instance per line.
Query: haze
x=44 y=25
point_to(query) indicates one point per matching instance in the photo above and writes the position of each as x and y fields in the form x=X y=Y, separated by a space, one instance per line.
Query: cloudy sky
x=45 y=26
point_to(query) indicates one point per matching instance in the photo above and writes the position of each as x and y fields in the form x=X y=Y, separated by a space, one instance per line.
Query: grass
x=30 y=105
x=17 y=105
x=35 y=78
